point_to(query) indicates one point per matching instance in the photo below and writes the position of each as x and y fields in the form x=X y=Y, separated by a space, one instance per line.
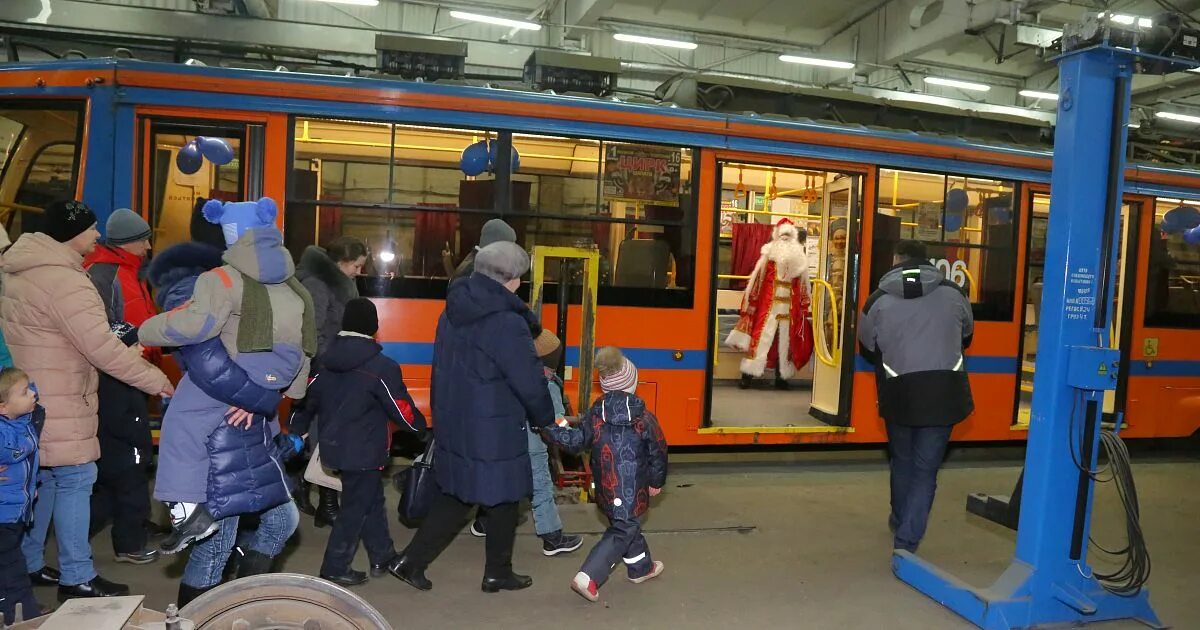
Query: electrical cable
x=1134 y=571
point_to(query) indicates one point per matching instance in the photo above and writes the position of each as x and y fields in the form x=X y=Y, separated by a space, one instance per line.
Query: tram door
x=169 y=195
x=749 y=393
x=1119 y=335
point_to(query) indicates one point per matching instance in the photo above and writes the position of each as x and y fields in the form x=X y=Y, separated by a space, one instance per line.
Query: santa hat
x=784 y=225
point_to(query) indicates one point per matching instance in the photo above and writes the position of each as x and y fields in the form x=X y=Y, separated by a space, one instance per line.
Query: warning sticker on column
x=1080 y=298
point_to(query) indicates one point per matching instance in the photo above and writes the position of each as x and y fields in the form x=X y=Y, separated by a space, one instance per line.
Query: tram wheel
x=282 y=601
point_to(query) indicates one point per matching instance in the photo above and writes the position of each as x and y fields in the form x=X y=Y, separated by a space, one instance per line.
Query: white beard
x=790 y=258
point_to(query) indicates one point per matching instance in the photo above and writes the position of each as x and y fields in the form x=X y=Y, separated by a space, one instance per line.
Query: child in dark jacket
x=629 y=458
x=357 y=394
x=21 y=421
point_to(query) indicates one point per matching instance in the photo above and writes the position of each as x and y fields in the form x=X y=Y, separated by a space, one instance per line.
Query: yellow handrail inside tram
x=829 y=356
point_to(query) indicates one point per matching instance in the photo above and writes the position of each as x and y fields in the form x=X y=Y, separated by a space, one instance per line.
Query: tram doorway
x=825 y=206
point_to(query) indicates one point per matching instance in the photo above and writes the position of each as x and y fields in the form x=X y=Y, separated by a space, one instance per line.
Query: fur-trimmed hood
x=315 y=263
x=177 y=263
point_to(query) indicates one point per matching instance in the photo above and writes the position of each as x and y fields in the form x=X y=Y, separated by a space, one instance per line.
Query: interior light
x=1145 y=22
x=1195 y=120
x=499 y=21
x=1036 y=94
x=387 y=256
x=813 y=61
x=962 y=85
x=654 y=41
x=361 y=3
x=1134 y=125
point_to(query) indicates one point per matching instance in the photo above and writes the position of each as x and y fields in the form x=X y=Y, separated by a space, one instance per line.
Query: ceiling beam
x=587 y=12
x=707 y=8
x=956 y=16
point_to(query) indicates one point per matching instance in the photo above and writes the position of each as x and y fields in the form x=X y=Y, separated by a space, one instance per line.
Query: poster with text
x=641 y=174
x=929 y=221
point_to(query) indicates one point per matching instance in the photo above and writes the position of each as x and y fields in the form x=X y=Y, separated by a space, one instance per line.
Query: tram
x=672 y=199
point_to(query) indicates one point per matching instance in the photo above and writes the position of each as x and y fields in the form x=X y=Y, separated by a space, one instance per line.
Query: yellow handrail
x=828 y=356
x=972 y=289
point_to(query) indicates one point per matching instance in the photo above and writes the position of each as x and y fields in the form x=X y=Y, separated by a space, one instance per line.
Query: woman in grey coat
x=328 y=273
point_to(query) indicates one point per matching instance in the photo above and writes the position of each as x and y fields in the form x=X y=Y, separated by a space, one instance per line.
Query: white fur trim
x=772 y=328
x=738 y=340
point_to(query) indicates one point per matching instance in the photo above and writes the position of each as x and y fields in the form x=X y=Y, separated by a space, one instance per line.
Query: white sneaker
x=655 y=572
x=586 y=587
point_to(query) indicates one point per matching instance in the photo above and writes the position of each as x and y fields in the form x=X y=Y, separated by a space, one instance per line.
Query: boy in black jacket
x=629 y=461
x=357 y=394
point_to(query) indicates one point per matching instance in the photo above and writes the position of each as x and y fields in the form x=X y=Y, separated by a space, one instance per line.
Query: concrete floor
x=779 y=540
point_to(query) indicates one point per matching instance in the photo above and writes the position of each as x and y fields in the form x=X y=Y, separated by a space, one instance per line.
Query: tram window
x=402 y=189
x=966 y=222
x=632 y=201
x=39 y=159
x=1173 y=281
x=173 y=194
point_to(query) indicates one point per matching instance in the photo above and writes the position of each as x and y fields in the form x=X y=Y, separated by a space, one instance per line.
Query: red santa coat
x=773 y=324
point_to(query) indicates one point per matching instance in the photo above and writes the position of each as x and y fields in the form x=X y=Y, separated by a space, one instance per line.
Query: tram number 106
x=956 y=272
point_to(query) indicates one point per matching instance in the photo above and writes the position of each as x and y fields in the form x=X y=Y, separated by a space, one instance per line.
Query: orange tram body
x=673 y=200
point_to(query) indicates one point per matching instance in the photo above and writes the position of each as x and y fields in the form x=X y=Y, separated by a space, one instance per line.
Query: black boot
x=303 y=502
x=745 y=382
x=189 y=593
x=327 y=507
x=781 y=383
x=196 y=527
x=254 y=563
x=403 y=569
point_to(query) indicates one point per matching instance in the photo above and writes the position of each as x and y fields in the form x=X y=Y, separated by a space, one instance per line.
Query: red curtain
x=748 y=240
x=435 y=231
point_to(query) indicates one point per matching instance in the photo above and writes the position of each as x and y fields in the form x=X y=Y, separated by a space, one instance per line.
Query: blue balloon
x=1180 y=220
x=189 y=160
x=474 y=160
x=216 y=150
x=956 y=209
x=493 y=148
x=1192 y=236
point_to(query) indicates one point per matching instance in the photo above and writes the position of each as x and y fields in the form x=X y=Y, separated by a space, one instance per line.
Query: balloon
x=216 y=150
x=189 y=159
x=1192 y=236
x=495 y=146
x=1180 y=220
x=956 y=208
x=474 y=160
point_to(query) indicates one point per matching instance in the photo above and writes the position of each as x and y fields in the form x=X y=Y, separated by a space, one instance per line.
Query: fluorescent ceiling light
x=813 y=61
x=962 y=85
x=1128 y=20
x=499 y=21
x=1195 y=120
x=1134 y=125
x=654 y=41
x=1036 y=94
x=1145 y=22
x=361 y=3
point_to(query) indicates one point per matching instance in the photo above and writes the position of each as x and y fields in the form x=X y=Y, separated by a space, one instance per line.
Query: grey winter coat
x=331 y=290
x=914 y=329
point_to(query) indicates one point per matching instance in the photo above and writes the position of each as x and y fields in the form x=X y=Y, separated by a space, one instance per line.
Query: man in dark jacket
x=122 y=491
x=914 y=329
x=358 y=393
x=487 y=387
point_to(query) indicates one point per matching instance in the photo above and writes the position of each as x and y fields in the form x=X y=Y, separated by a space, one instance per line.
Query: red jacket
x=126 y=296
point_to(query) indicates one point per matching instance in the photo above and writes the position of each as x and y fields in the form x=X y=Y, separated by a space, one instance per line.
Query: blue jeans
x=545 y=511
x=208 y=558
x=916 y=453
x=64 y=497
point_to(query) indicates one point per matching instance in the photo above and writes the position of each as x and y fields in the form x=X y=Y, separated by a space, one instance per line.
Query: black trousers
x=122 y=497
x=15 y=587
x=447 y=517
x=363 y=517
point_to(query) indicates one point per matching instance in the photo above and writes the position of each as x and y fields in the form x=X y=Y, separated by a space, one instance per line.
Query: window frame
x=1163 y=319
x=980 y=311
x=435 y=288
x=79 y=106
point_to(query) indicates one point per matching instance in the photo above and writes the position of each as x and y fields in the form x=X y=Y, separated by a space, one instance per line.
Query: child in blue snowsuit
x=263 y=317
x=21 y=421
x=629 y=460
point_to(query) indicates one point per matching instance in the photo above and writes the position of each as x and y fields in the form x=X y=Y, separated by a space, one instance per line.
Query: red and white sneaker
x=655 y=572
x=586 y=587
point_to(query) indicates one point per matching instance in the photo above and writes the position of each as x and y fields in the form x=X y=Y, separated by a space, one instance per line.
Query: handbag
x=317 y=474
x=418 y=489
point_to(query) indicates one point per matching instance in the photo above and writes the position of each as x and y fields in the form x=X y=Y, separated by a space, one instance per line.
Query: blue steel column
x=1049 y=580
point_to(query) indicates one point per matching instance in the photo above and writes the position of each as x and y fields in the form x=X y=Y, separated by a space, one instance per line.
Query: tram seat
x=643 y=263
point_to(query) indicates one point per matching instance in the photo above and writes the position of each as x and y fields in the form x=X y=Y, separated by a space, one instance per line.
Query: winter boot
x=188 y=527
x=557 y=542
x=254 y=563
x=327 y=507
x=781 y=383
x=303 y=502
x=189 y=593
x=745 y=382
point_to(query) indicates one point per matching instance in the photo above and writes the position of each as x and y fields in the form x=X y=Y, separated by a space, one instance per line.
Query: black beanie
x=201 y=230
x=361 y=317
x=64 y=220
